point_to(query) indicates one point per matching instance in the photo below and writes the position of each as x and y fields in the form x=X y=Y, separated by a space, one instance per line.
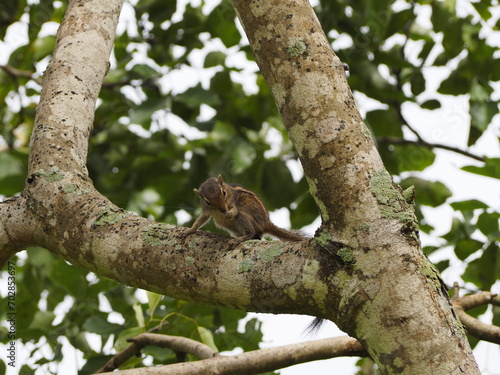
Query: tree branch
x=262 y=360
x=176 y=343
x=474 y=326
x=477 y=328
x=366 y=253
x=19 y=73
x=421 y=142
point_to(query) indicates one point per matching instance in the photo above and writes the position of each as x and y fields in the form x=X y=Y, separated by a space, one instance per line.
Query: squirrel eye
x=207 y=202
x=224 y=192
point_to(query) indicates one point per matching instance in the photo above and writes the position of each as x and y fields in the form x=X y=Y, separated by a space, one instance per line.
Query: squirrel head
x=215 y=194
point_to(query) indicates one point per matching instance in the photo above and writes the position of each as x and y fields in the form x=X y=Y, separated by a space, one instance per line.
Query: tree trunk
x=364 y=269
x=389 y=295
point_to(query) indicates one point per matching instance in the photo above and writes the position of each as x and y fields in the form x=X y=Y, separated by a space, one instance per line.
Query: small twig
x=456 y=291
x=423 y=143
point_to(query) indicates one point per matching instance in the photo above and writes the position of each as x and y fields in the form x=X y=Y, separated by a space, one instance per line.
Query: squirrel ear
x=220 y=179
x=197 y=192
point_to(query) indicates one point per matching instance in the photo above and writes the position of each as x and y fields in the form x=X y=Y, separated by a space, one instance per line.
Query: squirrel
x=237 y=210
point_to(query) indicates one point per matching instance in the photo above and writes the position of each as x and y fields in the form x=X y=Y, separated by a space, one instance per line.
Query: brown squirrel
x=237 y=210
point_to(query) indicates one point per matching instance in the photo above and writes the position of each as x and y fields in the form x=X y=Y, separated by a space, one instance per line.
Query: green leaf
x=459 y=230
x=243 y=155
x=491 y=168
x=143 y=71
x=468 y=205
x=484 y=271
x=488 y=224
x=218 y=25
x=276 y=175
x=384 y=123
x=426 y=192
x=153 y=300
x=496 y=316
x=207 y=338
x=42 y=47
x=39 y=14
x=456 y=83
x=305 y=213
x=196 y=96
x=12 y=174
x=466 y=247
x=431 y=104
x=79 y=341
x=139 y=315
x=70 y=278
x=442 y=265
x=93 y=364
x=26 y=370
x=411 y=157
x=42 y=319
x=98 y=324
x=121 y=341
x=483 y=9
x=214 y=58
x=399 y=21
x=142 y=114
x=417 y=83
x=481 y=115
x=158 y=11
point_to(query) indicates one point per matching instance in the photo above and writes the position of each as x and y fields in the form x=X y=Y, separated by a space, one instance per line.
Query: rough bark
x=390 y=296
x=364 y=270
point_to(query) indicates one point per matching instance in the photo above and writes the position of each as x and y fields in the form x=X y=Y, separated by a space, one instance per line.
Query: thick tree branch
x=262 y=360
x=15 y=218
x=366 y=253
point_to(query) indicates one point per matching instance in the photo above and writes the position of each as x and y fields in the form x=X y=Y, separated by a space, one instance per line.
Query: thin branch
x=120 y=358
x=475 y=327
x=17 y=73
x=421 y=142
x=176 y=343
x=478 y=329
x=474 y=300
x=262 y=360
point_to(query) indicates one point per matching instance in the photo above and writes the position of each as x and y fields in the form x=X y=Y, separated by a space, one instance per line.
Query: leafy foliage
x=158 y=133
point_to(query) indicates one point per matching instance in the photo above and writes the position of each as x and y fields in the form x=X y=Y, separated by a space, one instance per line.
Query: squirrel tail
x=283 y=234
x=314 y=326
